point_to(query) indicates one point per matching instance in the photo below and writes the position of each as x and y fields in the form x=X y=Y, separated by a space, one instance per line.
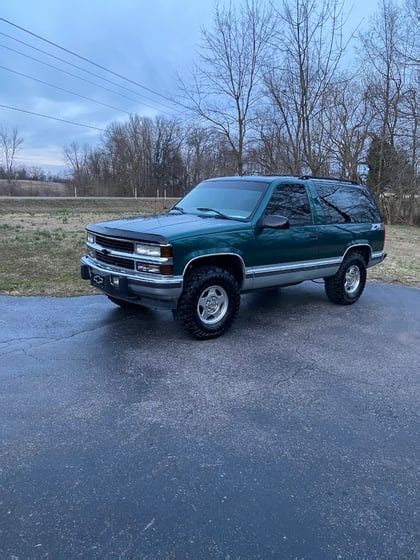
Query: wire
x=63 y=89
x=78 y=77
x=86 y=71
x=52 y=118
x=88 y=60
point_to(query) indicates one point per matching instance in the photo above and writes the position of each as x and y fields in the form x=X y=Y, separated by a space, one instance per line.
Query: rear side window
x=342 y=204
x=292 y=202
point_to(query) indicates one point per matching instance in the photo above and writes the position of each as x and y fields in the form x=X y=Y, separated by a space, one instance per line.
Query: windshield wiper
x=220 y=214
x=179 y=208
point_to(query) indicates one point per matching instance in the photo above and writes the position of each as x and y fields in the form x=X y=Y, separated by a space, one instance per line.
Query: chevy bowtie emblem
x=98 y=279
x=105 y=251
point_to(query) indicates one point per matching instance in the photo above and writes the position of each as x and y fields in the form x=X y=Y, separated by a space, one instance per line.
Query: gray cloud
x=147 y=41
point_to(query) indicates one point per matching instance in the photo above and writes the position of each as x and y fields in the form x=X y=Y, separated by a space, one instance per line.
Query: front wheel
x=209 y=303
x=347 y=285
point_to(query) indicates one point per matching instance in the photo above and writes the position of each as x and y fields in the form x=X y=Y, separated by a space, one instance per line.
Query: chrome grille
x=116 y=244
x=114 y=261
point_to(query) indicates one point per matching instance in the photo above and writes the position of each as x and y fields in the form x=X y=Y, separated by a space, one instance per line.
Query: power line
x=63 y=89
x=84 y=70
x=77 y=77
x=122 y=77
x=52 y=118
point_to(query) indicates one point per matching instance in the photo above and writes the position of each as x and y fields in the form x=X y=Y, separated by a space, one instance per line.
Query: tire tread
x=185 y=312
x=334 y=285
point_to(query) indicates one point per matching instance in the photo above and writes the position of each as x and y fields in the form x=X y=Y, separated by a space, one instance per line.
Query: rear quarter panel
x=335 y=239
x=369 y=234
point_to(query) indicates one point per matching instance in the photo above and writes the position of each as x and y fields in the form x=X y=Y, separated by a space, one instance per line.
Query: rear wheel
x=348 y=284
x=209 y=303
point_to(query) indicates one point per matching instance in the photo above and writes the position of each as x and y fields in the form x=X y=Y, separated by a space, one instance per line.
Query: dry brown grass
x=40 y=250
x=402 y=264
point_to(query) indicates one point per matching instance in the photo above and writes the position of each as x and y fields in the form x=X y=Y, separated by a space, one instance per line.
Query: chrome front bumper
x=152 y=290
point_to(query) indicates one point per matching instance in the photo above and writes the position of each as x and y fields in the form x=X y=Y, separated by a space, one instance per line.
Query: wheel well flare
x=364 y=250
x=231 y=262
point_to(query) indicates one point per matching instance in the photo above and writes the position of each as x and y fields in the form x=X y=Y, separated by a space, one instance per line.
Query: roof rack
x=329 y=179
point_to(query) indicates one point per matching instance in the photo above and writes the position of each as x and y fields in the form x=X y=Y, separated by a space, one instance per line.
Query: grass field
x=41 y=243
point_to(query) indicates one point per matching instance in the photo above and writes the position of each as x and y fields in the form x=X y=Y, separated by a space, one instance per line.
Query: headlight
x=148 y=250
x=90 y=238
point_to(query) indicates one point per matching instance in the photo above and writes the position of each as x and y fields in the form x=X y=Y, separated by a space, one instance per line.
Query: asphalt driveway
x=294 y=436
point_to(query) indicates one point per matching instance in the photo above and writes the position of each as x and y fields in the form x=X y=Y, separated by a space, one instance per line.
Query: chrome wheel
x=212 y=305
x=352 y=279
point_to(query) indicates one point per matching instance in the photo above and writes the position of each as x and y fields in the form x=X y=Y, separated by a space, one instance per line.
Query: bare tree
x=273 y=152
x=226 y=84
x=140 y=156
x=76 y=157
x=387 y=52
x=10 y=143
x=207 y=154
x=309 y=49
x=349 y=118
x=384 y=71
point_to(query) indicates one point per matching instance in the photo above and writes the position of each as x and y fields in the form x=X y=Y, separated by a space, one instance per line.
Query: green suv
x=233 y=235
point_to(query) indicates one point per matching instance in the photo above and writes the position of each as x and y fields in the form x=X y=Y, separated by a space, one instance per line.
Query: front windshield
x=235 y=199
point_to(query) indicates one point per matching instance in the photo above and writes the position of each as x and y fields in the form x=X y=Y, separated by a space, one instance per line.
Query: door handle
x=313 y=236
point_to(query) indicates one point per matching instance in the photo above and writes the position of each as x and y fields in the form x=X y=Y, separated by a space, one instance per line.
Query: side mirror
x=275 y=222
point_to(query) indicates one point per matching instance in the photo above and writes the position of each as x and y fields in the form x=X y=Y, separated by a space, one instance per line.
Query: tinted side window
x=342 y=204
x=330 y=202
x=292 y=202
x=373 y=208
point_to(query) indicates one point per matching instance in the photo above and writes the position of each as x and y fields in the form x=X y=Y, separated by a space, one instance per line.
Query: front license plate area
x=109 y=283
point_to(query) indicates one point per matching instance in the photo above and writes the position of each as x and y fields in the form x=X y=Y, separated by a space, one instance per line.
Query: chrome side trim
x=376 y=258
x=377 y=255
x=298 y=271
x=292 y=272
x=293 y=266
x=157 y=279
x=293 y=276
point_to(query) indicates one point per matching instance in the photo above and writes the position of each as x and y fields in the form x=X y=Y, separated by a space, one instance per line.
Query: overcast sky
x=146 y=40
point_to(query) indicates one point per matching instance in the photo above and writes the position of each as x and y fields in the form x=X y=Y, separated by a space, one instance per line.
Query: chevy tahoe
x=233 y=235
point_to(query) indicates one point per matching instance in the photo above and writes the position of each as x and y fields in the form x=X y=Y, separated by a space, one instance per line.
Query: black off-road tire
x=194 y=285
x=335 y=285
x=124 y=304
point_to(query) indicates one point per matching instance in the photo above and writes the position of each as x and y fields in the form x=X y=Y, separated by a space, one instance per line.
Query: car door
x=284 y=256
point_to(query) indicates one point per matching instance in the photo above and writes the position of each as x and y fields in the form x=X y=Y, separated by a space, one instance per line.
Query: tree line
x=283 y=87
x=10 y=145
x=280 y=89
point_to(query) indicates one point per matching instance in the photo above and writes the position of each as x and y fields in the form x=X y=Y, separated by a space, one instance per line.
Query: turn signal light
x=166 y=269
x=166 y=251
